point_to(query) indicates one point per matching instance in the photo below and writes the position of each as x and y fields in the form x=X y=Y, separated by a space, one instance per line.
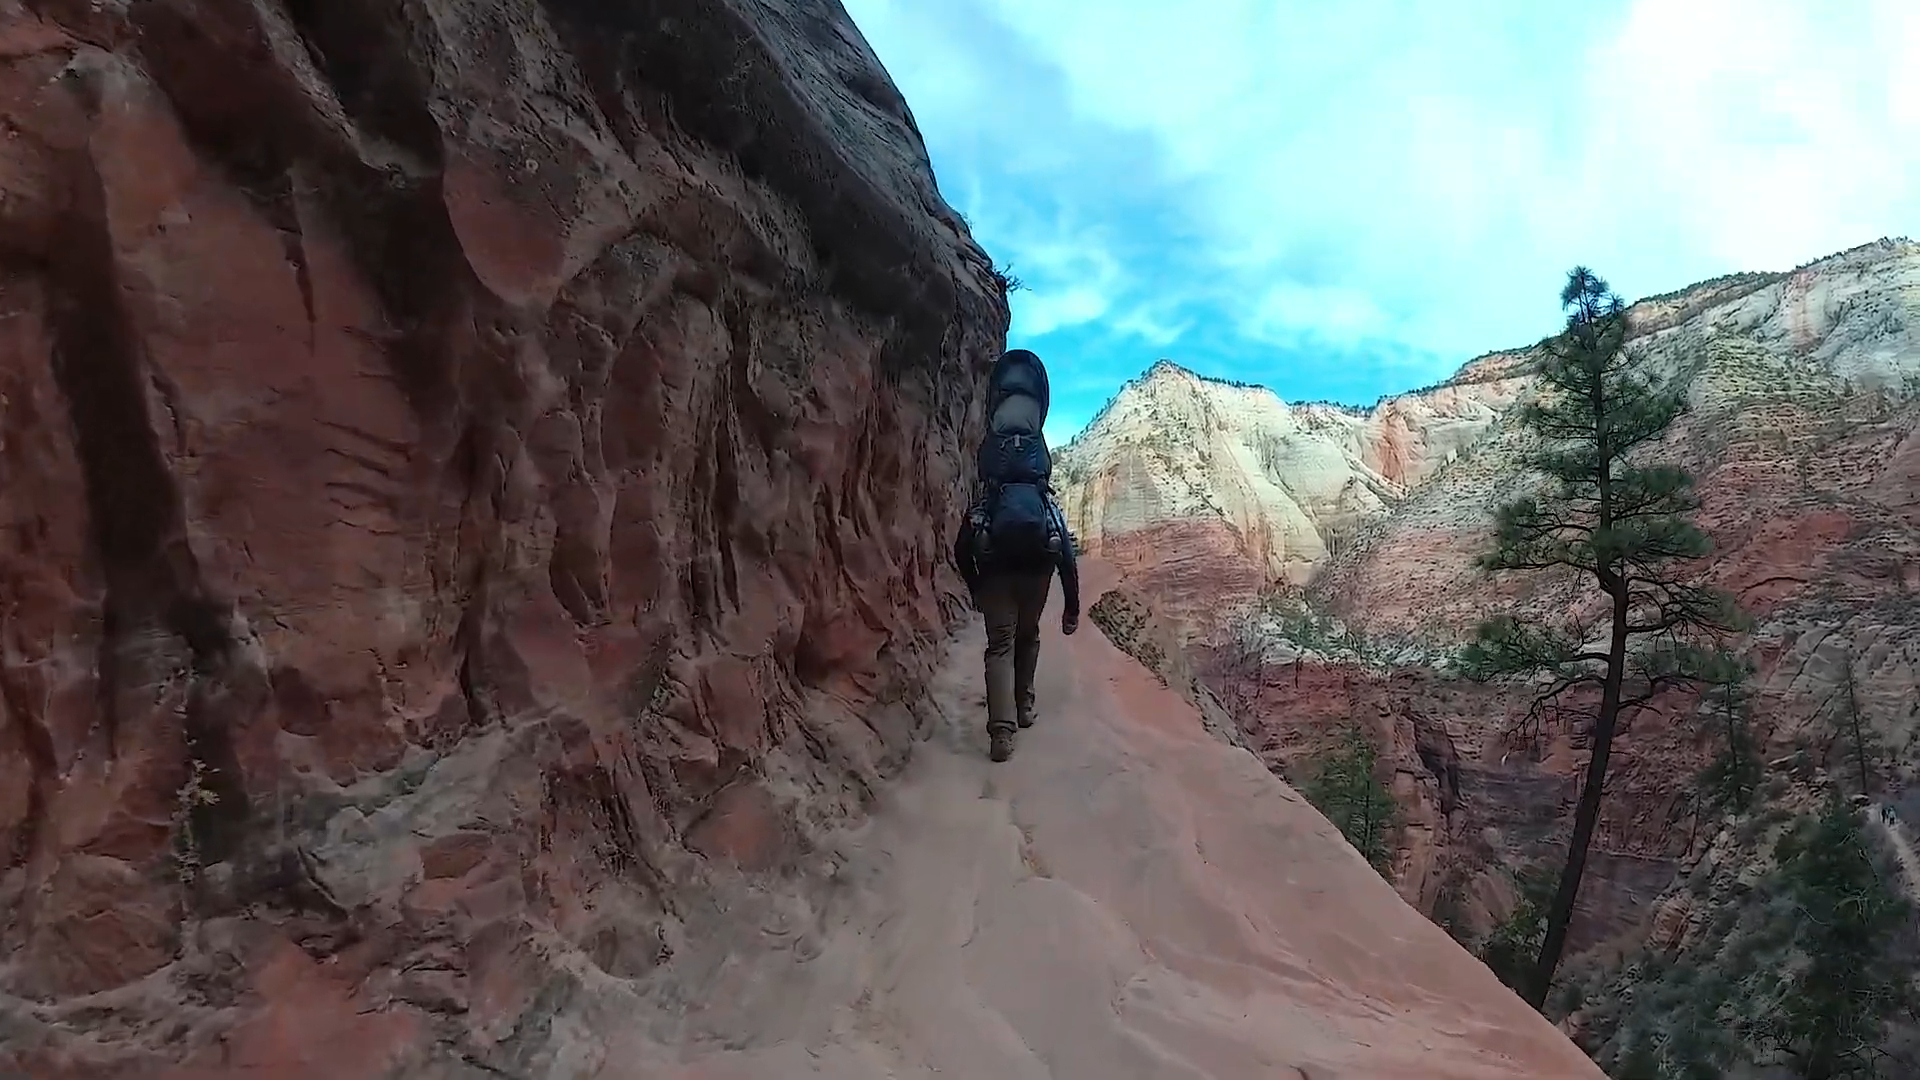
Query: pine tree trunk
x=1853 y=722
x=1733 y=783
x=1587 y=813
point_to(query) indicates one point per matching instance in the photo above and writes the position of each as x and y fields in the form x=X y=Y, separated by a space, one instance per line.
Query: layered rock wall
x=455 y=458
x=1206 y=492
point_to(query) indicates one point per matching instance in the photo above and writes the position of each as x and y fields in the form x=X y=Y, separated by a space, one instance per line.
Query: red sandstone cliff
x=453 y=458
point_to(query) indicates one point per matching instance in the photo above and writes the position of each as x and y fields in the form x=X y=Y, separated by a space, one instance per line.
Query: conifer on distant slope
x=1625 y=525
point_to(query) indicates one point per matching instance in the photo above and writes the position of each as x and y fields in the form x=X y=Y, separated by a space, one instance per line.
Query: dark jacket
x=971 y=571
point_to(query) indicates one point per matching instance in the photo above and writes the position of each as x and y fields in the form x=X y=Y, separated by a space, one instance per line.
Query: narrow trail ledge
x=1128 y=897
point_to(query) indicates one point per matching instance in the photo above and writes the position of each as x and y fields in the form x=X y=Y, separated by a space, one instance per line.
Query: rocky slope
x=474 y=483
x=455 y=458
x=1205 y=489
x=1800 y=435
x=1803 y=439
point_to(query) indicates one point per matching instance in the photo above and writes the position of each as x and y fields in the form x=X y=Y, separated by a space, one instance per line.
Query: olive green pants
x=1012 y=604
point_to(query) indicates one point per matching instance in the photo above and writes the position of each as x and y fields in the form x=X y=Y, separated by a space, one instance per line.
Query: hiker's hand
x=1069 y=622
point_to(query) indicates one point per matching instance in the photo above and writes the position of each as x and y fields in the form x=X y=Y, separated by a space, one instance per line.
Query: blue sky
x=1343 y=200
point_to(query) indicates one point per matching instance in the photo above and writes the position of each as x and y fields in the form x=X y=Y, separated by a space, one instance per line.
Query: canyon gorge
x=1313 y=566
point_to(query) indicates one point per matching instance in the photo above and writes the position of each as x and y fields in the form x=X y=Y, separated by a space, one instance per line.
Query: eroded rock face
x=455 y=457
x=1133 y=628
x=1476 y=805
x=1197 y=488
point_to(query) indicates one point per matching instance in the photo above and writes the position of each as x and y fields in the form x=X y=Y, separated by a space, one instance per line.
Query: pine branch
x=1657 y=685
x=1530 y=725
x=1505 y=646
x=1677 y=605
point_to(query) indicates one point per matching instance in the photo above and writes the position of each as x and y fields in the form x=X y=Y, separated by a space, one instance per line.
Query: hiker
x=1012 y=540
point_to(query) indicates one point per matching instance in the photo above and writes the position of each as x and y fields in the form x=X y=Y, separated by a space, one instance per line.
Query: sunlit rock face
x=1207 y=491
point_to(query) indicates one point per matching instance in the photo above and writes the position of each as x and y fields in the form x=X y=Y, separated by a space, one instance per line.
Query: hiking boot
x=1000 y=745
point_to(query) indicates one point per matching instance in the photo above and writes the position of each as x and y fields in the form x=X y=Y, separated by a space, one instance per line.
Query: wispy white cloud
x=1289 y=313
x=1069 y=276
x=1376 y=190
x=1763 y=133
x=1158 y=323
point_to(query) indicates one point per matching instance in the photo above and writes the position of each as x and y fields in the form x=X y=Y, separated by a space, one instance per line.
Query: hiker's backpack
x=1016 y=525
x=1018 y=373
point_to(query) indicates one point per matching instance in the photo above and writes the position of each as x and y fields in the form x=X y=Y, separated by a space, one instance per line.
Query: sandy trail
x=1126 y=898
x=1896 y=832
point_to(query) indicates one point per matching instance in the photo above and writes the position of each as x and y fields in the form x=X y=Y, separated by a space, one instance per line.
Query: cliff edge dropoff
x=455 y=458
x=1130 y=896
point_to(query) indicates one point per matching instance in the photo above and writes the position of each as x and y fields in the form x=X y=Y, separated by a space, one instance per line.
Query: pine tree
x=1828 y=1013
x=1240 y=670
x=1733 y=778
x=1347 y=789
x=1511 y=948
x=1623 y=525
x=1864 y=750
